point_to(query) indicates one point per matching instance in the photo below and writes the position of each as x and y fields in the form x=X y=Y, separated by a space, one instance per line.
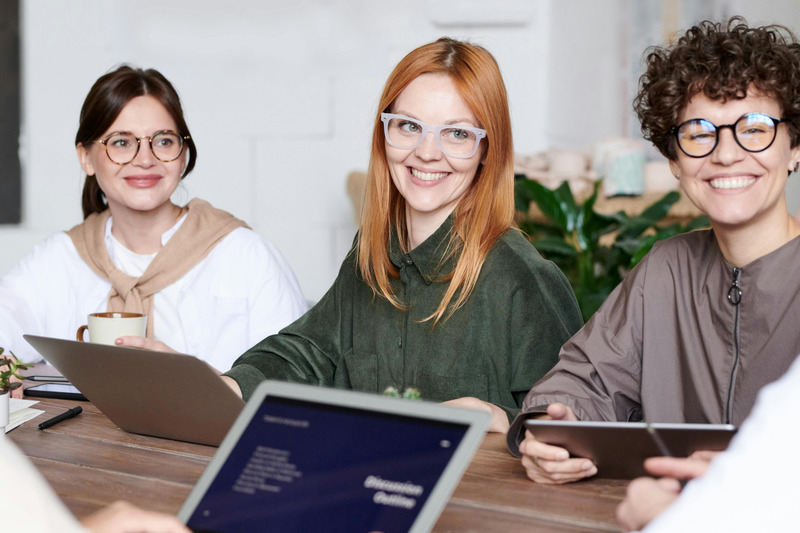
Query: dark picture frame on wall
x=10 y=103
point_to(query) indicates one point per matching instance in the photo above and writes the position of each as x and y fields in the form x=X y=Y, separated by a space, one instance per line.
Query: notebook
x=619 y=449
x=303 y=458
x=169 y=395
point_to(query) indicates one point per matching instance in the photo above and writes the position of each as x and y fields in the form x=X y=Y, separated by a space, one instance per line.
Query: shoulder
x=515 y=254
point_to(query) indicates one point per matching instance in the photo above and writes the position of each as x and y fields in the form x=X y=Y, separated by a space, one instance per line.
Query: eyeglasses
x=455 y=141
x=122 y=147
x=755 y=132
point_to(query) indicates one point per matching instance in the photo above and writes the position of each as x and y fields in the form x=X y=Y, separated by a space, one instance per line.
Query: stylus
x=60 y=379
x=69 y=413
x=662 y=446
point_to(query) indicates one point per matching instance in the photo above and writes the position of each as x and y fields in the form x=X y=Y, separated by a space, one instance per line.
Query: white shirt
x=27 y=502
x=753 y=486
x=243 y=291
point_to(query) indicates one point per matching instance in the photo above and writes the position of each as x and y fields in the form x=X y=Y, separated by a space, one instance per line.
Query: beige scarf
x=203 y=228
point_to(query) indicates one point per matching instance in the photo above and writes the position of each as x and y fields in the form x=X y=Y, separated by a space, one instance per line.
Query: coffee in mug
x=104 y=328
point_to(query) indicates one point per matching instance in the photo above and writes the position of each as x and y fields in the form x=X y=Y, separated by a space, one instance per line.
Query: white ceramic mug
x=104 y=328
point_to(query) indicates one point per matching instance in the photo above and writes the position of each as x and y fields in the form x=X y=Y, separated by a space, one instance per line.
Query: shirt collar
x=427 y=257
x=165 y=237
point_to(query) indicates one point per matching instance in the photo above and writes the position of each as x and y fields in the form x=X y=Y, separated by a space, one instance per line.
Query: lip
x=143 y=181
x=427 y=177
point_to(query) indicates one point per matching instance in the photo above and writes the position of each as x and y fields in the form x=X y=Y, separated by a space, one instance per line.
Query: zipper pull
x=735 y=292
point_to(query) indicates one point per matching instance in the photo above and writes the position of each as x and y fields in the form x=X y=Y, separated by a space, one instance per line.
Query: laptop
x=619 y=449
x=303 y=458
x=169 y=395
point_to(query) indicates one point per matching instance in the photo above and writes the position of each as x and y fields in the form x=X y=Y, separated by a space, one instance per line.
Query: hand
x=499 y=423
x=552 y=465
x=230 y=382
x=132 y=341
x=645 y=499
x=122 y=517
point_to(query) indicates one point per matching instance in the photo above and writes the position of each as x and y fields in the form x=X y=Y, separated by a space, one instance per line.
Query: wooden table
x=91 y=463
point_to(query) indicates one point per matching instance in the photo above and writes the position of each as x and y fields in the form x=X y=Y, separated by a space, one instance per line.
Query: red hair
x=484 y=213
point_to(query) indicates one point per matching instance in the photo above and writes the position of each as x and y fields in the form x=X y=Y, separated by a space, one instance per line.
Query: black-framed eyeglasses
x=406 y=133
x=754 y=132
x=122 y=146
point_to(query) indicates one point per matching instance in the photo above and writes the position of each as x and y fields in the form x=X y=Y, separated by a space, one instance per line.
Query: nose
x=728 y=150
x=428 y=149
x=144 y=157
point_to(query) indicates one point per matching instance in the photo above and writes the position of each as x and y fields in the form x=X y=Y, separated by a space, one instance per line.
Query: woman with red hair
x=440 y=293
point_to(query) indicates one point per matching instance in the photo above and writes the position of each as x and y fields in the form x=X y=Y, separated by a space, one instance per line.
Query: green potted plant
x=8 y=370
x=594 y=250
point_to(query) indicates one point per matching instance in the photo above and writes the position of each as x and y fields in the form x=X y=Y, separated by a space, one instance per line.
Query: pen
x=662 y=446
x=60 y=379
x=69 y=413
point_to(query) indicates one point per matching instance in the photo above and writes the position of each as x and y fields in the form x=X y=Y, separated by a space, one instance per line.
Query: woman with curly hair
x=440 y=292
x=708 y=317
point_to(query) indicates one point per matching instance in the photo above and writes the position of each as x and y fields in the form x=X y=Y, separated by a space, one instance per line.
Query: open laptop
x=302 y=458
x=167 y=395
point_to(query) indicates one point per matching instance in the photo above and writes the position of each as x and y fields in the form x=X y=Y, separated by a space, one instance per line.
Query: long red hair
x=485 y=212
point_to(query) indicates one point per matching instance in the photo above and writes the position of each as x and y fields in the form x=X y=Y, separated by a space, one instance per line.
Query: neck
x=420 y=226
x=139 y=231
x=742 y=246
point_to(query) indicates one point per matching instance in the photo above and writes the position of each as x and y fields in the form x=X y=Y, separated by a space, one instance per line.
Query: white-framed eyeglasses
x=122 y=146
x=455 y=141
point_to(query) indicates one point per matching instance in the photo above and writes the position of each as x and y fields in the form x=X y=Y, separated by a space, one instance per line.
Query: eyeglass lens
x=123 y=147
x=754 y=132
x=405 y=133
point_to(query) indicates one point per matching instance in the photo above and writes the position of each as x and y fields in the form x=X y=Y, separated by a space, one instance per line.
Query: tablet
x=64 y=391
x=620 y=448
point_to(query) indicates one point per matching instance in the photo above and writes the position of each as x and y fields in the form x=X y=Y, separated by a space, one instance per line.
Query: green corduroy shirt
x=504 y=338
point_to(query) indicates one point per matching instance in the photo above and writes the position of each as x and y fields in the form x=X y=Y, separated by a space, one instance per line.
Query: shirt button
x=399 y=343
x=409 y=261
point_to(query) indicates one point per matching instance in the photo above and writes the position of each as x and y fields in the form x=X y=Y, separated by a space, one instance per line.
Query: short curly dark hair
x=723 y=63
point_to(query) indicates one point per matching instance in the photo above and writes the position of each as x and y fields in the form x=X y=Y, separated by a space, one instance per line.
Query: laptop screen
x=305 y=466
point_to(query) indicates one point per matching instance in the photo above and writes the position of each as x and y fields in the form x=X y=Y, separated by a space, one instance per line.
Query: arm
x=122 y=517
x=599 y=370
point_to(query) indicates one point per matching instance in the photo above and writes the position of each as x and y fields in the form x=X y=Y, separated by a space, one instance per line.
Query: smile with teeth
x=731 y=183
x=428 y=176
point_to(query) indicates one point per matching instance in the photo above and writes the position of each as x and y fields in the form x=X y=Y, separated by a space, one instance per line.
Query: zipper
x=735 y=298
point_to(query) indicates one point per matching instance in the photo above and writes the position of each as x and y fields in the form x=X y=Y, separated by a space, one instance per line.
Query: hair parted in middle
x=484 y=213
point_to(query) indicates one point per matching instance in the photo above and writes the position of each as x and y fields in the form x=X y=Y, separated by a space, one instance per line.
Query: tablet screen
x=304 y=466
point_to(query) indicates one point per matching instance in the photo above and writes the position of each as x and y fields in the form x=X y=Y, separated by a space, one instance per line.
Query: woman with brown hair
x=440 y=292
x=208 y=285
x=708 y=317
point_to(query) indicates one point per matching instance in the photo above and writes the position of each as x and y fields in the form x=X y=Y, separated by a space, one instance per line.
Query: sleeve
x=598 y=373
x=749 y=487
x=306 y=351
x=544 y=315
x=24 y=298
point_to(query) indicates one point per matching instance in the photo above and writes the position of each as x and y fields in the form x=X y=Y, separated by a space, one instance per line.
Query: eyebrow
x=447 y=123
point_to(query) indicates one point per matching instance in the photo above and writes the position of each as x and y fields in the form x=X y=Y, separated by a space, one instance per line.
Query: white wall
x=280 y=95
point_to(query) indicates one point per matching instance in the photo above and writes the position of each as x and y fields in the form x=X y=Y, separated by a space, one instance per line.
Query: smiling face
x=734 y=187
x=145 y=184
x=430 y=182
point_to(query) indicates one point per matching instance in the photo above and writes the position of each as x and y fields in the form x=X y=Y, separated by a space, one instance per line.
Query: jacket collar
x=427 y=257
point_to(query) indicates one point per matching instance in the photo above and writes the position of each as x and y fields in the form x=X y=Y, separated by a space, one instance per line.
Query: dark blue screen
x=305 y=467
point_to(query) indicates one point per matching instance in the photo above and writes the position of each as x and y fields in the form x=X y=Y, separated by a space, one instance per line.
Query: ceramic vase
x=4 y=396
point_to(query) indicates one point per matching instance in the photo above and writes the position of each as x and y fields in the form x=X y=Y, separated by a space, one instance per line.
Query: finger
x=557 y=472
x=675 y=467
x=133 y=341
x=559 y=411
x=536 y=449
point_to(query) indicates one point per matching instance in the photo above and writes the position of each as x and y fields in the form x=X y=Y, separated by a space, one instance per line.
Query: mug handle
x=79 y=335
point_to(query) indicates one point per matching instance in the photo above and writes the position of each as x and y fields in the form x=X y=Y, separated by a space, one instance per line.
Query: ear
x=83 y=158
x=675 y=169
x=795 y=159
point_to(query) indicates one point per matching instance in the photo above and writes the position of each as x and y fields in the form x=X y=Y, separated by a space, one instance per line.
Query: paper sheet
x=20 y=411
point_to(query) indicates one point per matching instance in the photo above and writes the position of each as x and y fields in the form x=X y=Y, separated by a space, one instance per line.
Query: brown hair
x=109 y=94
x=723 y=63
x=484 y=213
